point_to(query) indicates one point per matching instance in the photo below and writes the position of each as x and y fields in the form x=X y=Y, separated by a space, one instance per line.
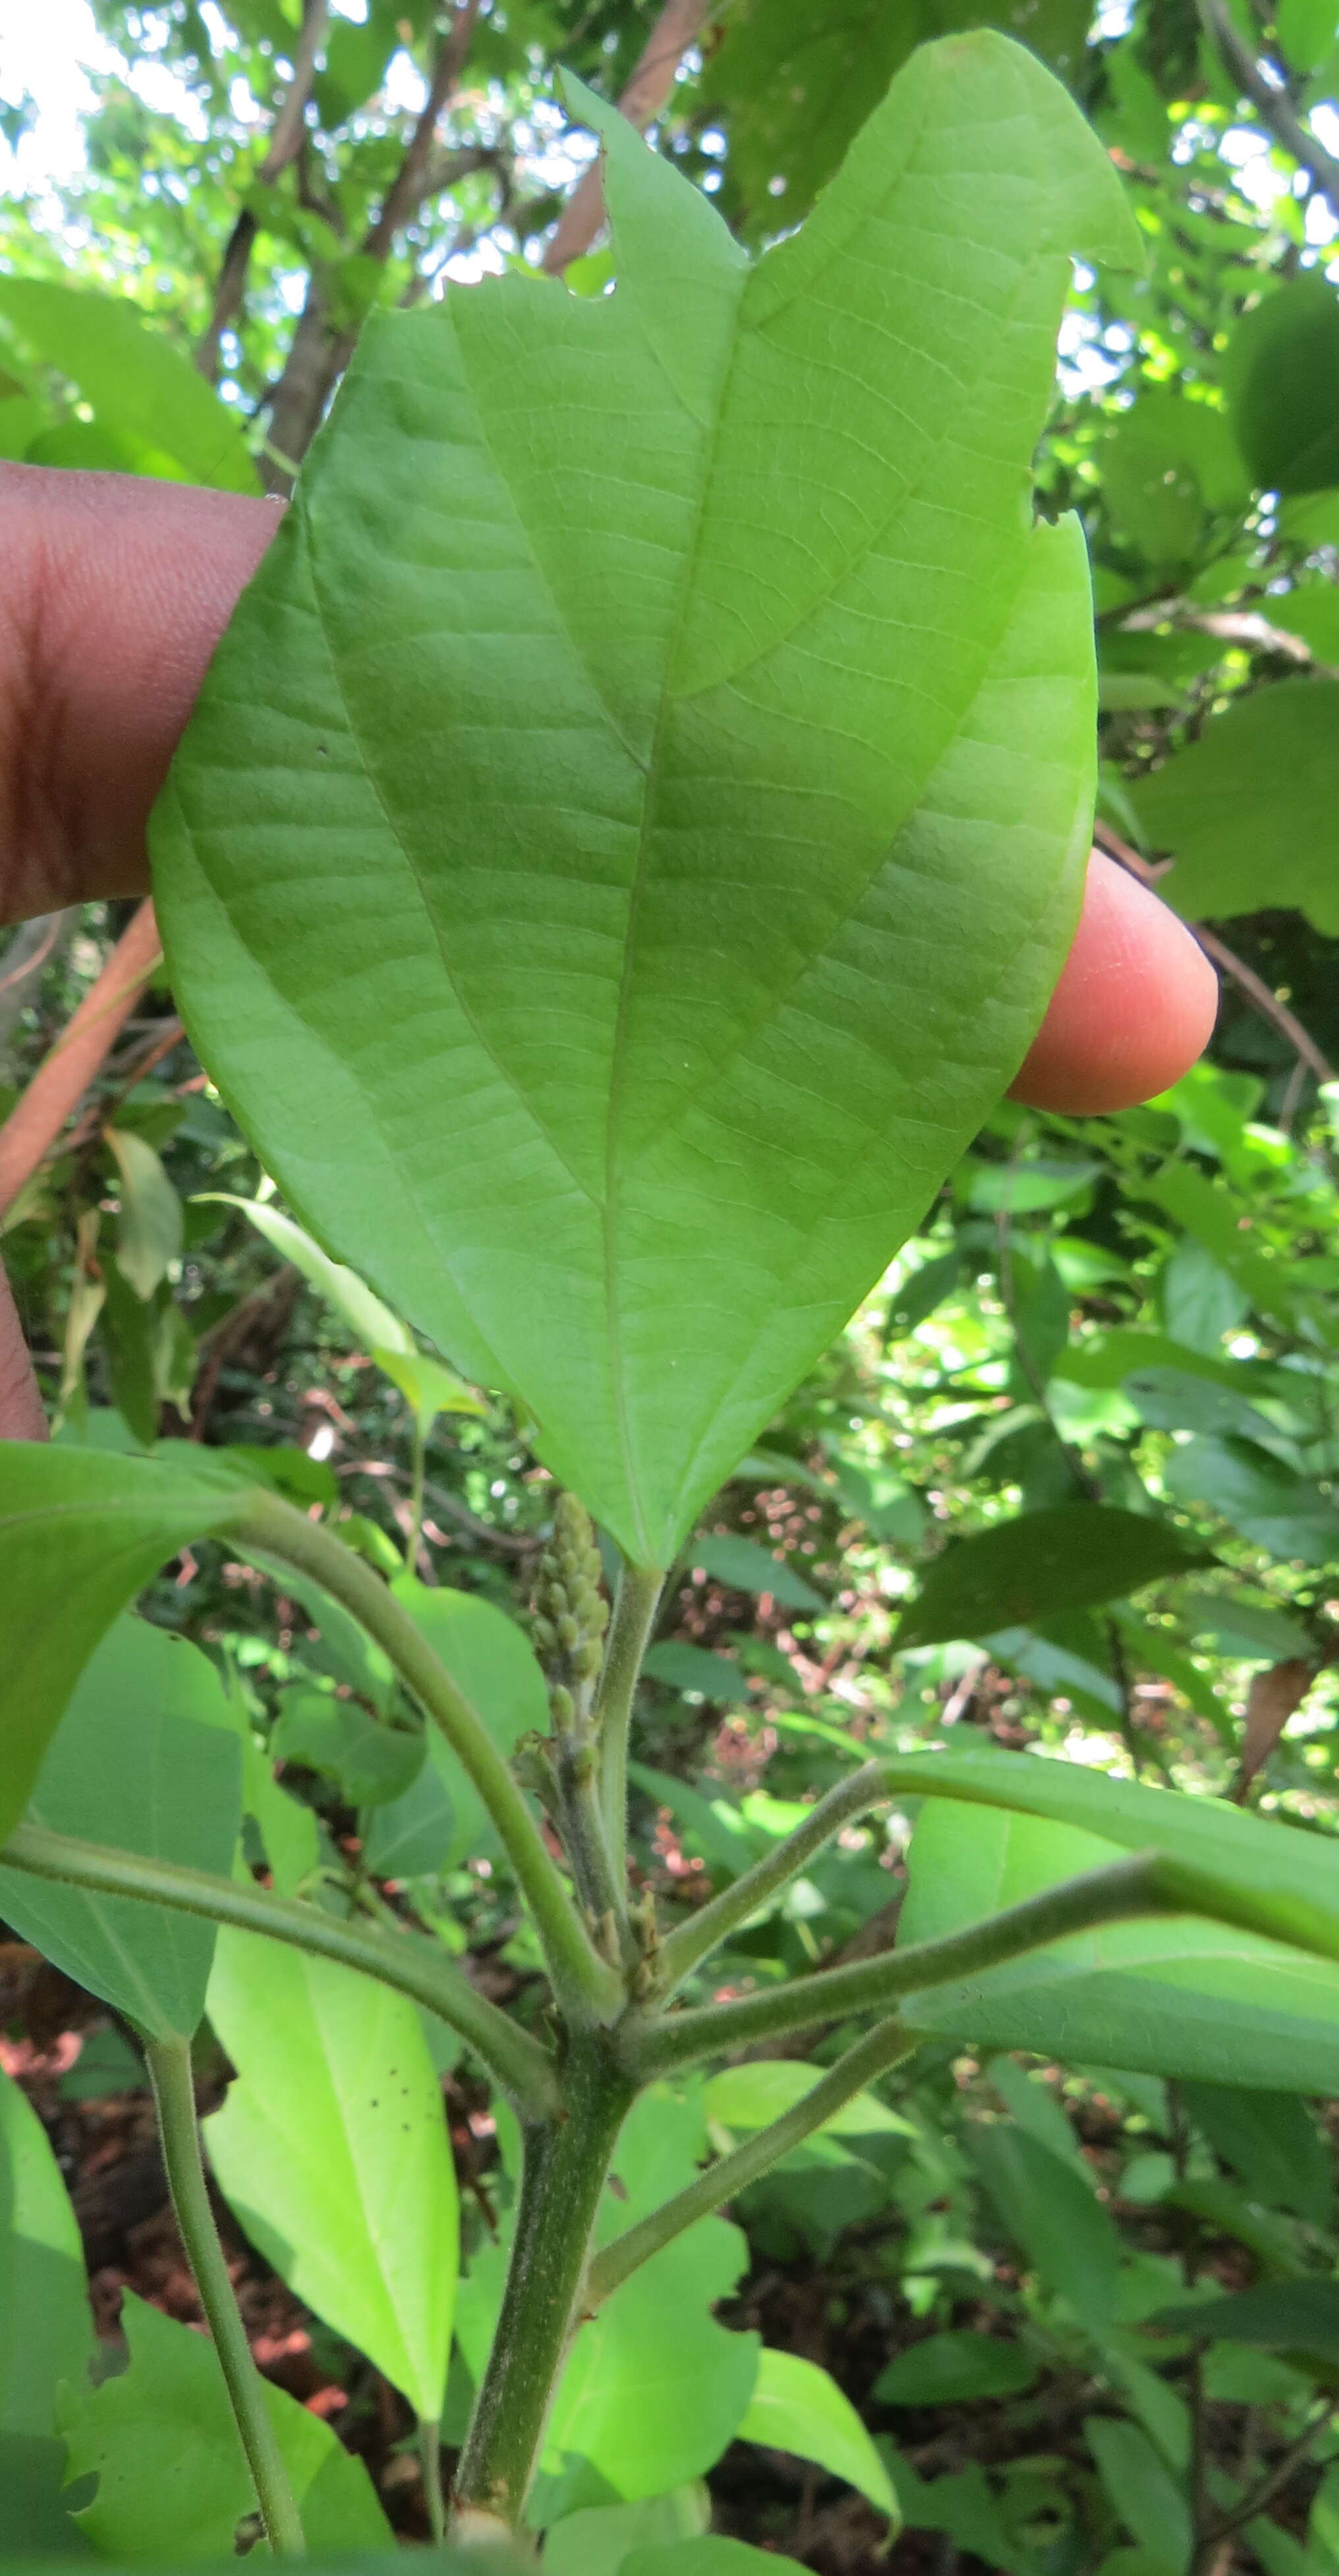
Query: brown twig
x=320 y=353
x=64 y=1075
x=1273 y=106
x=1254 y=987
x=284 y=146
x=641 y=101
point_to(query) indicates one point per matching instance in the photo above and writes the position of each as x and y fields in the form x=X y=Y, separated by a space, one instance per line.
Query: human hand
x=115 y=593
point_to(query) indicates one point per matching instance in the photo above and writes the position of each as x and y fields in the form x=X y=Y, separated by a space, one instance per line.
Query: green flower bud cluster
x=571 y=1614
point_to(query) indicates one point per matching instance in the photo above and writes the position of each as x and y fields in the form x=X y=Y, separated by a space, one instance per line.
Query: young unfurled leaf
x=631 y=827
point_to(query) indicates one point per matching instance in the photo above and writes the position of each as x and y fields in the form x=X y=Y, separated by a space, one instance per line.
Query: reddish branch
x=641 y=102
x=64 y=1075
x=1254 y=987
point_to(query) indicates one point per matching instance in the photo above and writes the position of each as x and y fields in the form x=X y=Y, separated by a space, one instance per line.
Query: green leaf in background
x=149 y=1230
x=46 y=2331
x=427 y=1387
x=1271 y=2142
x=1143 y=2493
x=797 y=2406
x=331 y=2150
x=1279 y=2316
x=1286 y=1514
x=812 y=765
x=137 y=380
x=1281 y=374
x=1170 y=1997
x=748 y=2096
x=82 y=1531
x=1250 y=810
x=745 y=1567
x=415 y=1835
x=709 y=2557
x=1165 y=463
x=1068 y=2238
x=1028 y=1569
x=370 y=1763
x=172 y=2481
x=953 y=2368
x=490 y=1659
x=695 y=1668
x=1312 y=611
x=795 y=84
x=598 y=2541
x=144 y=1760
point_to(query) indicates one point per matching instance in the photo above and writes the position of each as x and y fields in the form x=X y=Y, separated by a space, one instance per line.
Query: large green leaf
x=172 y=2481
x=1052 y=2212
x=1169 y=1996
x=1288 y=1515
x=331 y=2148
x=139 y=383
x=1029 y=1569
x=631 y=826
x=80 y=1532
x=1248 y=810
x=144 y=1760
x=794 y=84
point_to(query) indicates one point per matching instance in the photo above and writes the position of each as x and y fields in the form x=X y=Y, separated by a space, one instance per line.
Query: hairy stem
x=430 y=2458
x=1142 y=1885
x=684 y=1949
x=635 y=1605
x=585 y=1987
x=566 y=2162
x=882 y=2048
x=174 y=2098
x=515 y=2060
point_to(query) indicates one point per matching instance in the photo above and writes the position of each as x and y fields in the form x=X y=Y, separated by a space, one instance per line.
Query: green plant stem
x=1142 y=1885
x=684 y=1949
x=517 y=2062
x=585 y=1986
x=580 y=1822
x=880 y=2049
x=169 y=2064
x=563 y=2175
x=420 y=1469
x=430 y=2457
x=636 y=1602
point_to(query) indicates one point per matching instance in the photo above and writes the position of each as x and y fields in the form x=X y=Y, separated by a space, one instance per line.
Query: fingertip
x=1134 y=1006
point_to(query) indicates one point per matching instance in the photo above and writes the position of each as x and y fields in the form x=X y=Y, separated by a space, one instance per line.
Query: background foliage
x=1068 y=1480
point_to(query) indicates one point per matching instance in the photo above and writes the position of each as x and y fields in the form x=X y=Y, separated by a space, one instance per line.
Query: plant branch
x=636 y=1602
x=285 y=143
x=515 y=2061
x=407 y=187
x=169 y=2064
x=1264 y=2491
x=1147 y=1883
x=563 y=2174
x=1273 y=106
x=1254 y=987
x=640 y=101
x=881 y=2048
x=63 y=1076
x=585 y=1986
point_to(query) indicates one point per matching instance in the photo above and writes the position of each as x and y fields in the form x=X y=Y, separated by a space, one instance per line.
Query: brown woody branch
x=641 y=102
x=64 y=1075
x=1254 y=987
x=1272 y=105
x=284 y=146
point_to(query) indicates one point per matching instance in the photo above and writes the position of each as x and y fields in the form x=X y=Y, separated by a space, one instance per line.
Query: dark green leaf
x=1278 y=2316
x=1068 y=2238
x=1251 y=1489
x=694 y=1668
x=949 y=2369
x=1029 y=1569
x=1271 y=2142
x=1282 y=378
x=746 y=1567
